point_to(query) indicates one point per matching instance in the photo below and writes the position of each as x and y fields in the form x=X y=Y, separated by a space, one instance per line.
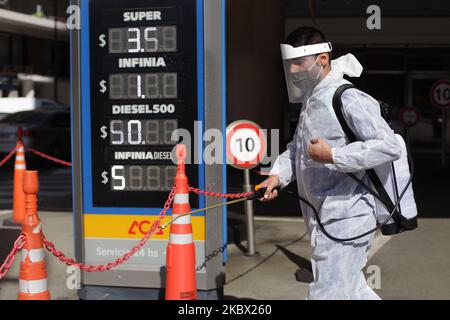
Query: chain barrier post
x=180 y=253
x=19 y=168
x=249 y=217
x=33 y=272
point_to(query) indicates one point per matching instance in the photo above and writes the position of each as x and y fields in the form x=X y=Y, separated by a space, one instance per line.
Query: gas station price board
x=143 y=86
x=138 y=74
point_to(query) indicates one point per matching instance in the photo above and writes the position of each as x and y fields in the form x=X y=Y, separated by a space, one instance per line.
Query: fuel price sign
x=143 y=84
x=138 y=76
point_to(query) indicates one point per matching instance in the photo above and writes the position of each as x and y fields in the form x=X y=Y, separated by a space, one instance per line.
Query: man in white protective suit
x=319 y=156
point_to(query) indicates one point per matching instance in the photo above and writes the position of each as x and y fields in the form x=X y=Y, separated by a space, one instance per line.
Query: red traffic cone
x=33 y=272
x=180 y=254
x=19 y=169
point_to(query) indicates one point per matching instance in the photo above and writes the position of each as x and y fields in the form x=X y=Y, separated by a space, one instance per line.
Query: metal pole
x=55 y=51
x=446 y=137
x=443 y=136
x=249 y=221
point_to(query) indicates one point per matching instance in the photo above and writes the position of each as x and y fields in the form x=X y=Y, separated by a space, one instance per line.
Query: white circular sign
x=246 y=144
x=440 y=94
x=409 y=116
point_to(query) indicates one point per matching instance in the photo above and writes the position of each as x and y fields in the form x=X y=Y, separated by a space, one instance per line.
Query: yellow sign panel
x=133 y=226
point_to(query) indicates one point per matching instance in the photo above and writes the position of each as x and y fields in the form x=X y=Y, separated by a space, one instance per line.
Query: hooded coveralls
x=345 y=208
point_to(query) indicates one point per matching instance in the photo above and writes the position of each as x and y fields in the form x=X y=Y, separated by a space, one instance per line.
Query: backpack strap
x=337 y=106
x=382 y=195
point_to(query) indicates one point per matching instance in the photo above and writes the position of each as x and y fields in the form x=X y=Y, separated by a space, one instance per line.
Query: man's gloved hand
x=319 y=150
x=270 y=183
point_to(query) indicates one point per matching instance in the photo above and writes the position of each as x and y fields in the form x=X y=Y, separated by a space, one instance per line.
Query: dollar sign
x=103 y=86
x=105 y=177
x=104 y=132
x=102 y=41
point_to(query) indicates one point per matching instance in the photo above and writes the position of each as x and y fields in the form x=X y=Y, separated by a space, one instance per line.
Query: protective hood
x=345 y=65
x=348 y=65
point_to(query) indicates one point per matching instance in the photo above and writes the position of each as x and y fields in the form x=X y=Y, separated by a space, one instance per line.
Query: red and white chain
x=105 y=267
x=221 y=195
x=50 y=158
x=18 y=245
x=8 y=157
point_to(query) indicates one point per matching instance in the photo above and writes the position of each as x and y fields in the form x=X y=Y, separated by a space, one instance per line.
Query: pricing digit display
x=143 y=86
x=142 y=132
x=143 y=39
x=142 y=178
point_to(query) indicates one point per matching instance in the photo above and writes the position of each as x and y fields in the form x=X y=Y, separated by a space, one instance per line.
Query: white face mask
x=302 y=83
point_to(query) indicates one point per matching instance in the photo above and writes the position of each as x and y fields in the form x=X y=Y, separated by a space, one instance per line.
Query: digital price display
x=142 y=132
x=143 y=85
x=143 y=39
x=142 y=178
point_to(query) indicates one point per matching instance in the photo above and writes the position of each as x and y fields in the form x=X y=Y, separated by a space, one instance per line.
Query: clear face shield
x=301 y=69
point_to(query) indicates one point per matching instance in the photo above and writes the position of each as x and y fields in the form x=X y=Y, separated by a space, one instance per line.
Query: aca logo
x=142 y=227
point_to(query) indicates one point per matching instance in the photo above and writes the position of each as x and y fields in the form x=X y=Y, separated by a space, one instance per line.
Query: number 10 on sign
x=246 y=144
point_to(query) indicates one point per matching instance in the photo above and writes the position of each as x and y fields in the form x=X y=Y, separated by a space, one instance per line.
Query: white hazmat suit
x=345 y=208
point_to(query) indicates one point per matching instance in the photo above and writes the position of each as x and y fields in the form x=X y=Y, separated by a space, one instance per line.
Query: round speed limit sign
x=246 y=144
x=440 y=94
x=409 y=116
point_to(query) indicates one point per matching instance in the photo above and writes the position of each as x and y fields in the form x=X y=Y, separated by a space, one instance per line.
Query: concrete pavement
x=58 y=227
x=413 y=265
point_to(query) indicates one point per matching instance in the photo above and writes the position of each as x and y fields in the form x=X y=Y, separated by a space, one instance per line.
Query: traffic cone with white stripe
x=19 y=169
x=180 y=254
x=33 y=272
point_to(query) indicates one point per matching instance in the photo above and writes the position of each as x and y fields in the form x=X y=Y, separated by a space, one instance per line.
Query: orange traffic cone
x=180 y=254
x=33 y=272
x=19 y=169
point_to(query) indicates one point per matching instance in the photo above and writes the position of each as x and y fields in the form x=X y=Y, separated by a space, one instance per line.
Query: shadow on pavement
x=304 y=273
x=236 y=298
